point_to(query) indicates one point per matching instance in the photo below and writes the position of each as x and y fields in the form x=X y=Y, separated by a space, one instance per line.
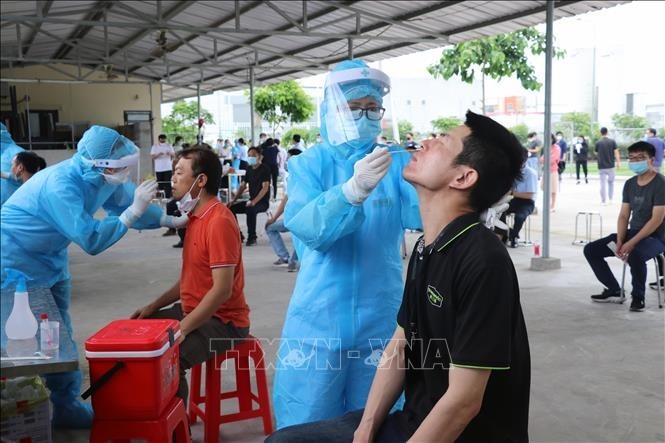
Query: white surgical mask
x=187 y=203
x=118 y=178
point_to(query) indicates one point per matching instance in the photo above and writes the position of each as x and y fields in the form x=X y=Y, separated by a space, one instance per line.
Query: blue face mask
x=251 y=161
x=639 y=168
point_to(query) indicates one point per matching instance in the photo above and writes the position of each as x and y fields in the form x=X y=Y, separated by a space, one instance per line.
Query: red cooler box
x=134 y=368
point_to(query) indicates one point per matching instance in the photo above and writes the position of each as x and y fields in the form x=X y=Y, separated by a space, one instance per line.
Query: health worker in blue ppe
x=57 y=207
x=347 y=211
x=8 y=150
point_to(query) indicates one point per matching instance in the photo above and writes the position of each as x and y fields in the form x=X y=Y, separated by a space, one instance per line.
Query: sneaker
x=513 y=243
x=654 y=284
x=293 y=267
x=280 y=261
x=178 y=245
x=608 y=297
x=586 y=180
x=637 y=305
x=169 y=233
x=251 y=242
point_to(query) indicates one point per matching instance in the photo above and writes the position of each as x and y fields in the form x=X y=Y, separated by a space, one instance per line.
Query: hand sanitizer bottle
x=21 y=323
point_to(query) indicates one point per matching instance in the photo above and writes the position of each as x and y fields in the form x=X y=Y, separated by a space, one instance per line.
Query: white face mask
x=187 y=203
x=118 y=178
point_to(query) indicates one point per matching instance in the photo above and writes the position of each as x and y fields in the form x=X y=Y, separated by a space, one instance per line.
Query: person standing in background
x=659 y=145
x=581 y=155
x=162 y=155
x=534 y=146
x=555 y=154
x=564 y=150
x=608 y=156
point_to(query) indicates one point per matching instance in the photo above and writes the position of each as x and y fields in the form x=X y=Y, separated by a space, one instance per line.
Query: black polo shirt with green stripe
x=461 y=307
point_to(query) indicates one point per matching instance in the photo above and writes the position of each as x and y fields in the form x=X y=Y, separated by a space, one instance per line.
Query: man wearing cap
x=348 y=208
x=57 y=207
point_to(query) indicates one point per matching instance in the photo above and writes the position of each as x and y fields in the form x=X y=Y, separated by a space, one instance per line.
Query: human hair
x=275 y=141
x=294 y=151
x=531 y=134
x=553 y=138
x=177 y=139
x=185 y=146
x=296 y=138
x=241 y=141
x=257 y=149
x=30 y=161
x=603 y=130
x=204 y=161
x=202 y=146
x=559 y=133
x=496 y=155
x=652 y=131
x=409 y=134
x=161 y=136
x=263 y=134
x=642 y=146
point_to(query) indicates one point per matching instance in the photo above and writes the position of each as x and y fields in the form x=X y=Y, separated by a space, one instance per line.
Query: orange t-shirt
x=213 y=241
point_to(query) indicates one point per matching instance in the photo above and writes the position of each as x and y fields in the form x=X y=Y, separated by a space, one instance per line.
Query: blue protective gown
x=39 y=221
x=8 y=150
x=344 y=306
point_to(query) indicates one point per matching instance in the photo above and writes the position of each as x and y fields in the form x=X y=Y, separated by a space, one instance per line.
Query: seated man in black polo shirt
x=460 y=351
x=258 y=179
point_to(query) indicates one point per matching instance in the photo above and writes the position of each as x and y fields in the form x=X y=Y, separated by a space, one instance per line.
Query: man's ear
x=203 y=182
x=465 y=179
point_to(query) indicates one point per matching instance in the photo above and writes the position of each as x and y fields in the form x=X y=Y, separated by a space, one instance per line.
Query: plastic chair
x=658 y=281
x=211 y=414
x=172 y=422
x=526 y=228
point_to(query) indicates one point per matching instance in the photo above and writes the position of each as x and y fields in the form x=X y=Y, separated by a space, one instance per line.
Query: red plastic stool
x=160 y=430
x=211 y=415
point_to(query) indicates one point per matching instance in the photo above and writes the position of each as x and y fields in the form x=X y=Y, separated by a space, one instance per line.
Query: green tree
x=403 y=127
x=445 y=124
x=183 y=120
x=631 y=127
x=573 y=124
x=521 y=131
x=281 y=103
x=497 y=56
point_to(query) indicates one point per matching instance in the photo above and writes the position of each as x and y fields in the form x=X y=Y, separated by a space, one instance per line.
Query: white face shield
x=341 y=122
x=123 y=167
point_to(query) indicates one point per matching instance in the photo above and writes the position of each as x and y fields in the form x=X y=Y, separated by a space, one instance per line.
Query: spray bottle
x=21 y=323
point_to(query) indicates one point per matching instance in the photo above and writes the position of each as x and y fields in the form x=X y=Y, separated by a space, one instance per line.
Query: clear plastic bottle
x=21 y=323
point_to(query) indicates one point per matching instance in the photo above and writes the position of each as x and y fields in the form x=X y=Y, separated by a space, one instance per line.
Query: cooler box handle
x=101 y=381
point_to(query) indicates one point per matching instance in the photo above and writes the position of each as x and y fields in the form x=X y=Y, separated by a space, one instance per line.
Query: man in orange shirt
x=208 y=299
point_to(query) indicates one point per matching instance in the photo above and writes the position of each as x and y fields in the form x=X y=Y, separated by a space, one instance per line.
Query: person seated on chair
x=640 y=229
x=208 y=299
x=258 y=179
x=522 y=203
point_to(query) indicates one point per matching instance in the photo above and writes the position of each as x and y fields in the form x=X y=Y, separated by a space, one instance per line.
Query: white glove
x=173 y=222
x=142 y=196
x=491 y=216
x=367 y=173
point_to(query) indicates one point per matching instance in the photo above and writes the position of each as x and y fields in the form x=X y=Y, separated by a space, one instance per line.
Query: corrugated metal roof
x=184 y=43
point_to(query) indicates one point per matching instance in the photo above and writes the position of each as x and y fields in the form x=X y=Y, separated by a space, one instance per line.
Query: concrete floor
x=597 y=370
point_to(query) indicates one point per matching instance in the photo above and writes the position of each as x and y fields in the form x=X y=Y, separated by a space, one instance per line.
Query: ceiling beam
x=510 y=17
x=43 y=8
x=97 y=12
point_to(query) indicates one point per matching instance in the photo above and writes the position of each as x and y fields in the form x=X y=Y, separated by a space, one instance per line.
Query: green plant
x=183 y=120
x=281 y=103
x=521 y=131
x=496 y=56
x=573 y=124
x=630 y=127
x=445 y=124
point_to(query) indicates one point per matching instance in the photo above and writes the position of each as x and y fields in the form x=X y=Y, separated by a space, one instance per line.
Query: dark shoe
x=251 y=242
x=178 y=245
x=513 y=243
x=169 y=233
x=586 y=180
x=293 y=266
x=654 y=284
x=242 y=237
x=608 y=297
x=637 y=305
x=280 y=261
x=578 y=182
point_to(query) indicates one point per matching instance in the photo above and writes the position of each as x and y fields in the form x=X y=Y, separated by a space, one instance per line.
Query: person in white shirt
x=219 y=148
x=282 y=156
x=242 y=150
x=177 y=143
x=163 y=154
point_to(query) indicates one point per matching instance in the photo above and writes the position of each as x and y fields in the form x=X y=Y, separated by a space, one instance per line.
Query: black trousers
x=583 y=164
x=522 y=208
x=164 y=182
x=172 y=209
x=250 y=212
